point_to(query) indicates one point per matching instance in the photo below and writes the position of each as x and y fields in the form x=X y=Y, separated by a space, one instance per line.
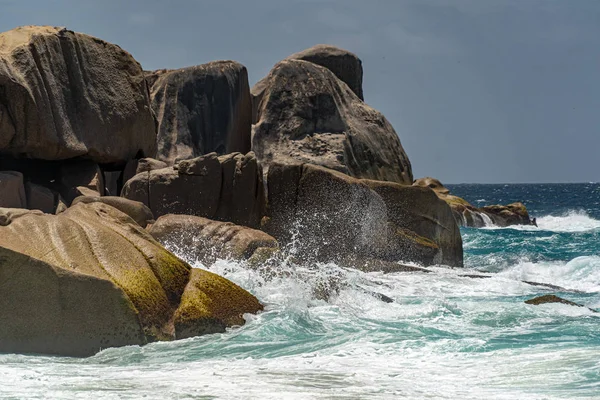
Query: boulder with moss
x=92 y=278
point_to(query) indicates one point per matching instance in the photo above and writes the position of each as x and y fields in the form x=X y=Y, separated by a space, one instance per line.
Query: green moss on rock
x=211 y=303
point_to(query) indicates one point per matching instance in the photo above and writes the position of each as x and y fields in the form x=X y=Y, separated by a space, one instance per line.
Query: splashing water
x=324 y=334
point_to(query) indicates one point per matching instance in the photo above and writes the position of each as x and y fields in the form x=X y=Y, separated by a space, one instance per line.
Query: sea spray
x=445 y=336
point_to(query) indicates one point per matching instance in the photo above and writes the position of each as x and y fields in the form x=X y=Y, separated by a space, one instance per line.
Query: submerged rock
x=206 y=240
x=330 y=216
x=202 y=109
x=550 y=298
x=91 y=278
x=468 y=215
x=227 y=188
x=59 y=102
x=307 y=115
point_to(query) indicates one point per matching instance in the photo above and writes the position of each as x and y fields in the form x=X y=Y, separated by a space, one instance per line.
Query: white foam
x=487 y=221
x=573 y=221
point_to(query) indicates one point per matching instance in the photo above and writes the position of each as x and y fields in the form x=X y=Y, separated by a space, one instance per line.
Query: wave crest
x=572 y=221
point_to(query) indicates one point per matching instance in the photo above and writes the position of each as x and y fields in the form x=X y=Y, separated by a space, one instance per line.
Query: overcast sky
x=482 y=91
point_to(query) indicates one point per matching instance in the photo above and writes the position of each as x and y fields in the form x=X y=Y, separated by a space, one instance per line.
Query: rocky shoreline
x=102 y=163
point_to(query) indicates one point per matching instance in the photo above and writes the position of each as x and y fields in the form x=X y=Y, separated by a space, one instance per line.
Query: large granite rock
x=202 y=109
x=344 y=64
x=468 y=215
x=226 y=188
x=205 y=240
x=67 y=95
x=91 y=278
x=307 y=115
x=329 y=216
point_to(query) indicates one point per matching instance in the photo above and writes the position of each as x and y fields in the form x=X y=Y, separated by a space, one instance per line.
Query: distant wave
x=572 y=221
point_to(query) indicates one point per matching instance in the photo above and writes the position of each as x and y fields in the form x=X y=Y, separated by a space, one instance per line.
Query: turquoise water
x=444 y=337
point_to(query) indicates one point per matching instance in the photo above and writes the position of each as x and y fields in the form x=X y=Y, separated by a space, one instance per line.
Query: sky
x=479 y=91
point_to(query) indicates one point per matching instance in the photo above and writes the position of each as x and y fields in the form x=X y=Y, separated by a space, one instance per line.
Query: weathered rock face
x=91 y=278
x=334 y=217
x=307 y=115
x=468 y=215
x=206 y=240
x=202 y=109
x=227 y=188
x=419 y=210
x=58 y=102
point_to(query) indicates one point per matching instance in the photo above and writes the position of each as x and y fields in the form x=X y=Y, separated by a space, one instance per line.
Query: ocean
x=445 y=336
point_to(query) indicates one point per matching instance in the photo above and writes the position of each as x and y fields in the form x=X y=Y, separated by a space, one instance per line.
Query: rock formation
x=308 y=115
x=202 y=109
x=59 y=102
x=468 y=215
x=91 y=278
x=226 y=188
